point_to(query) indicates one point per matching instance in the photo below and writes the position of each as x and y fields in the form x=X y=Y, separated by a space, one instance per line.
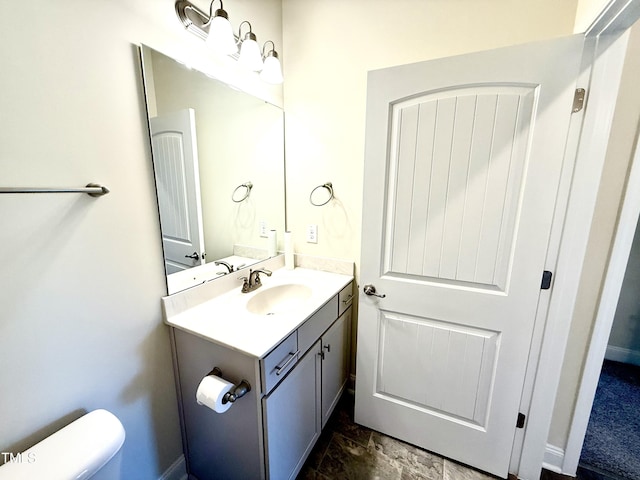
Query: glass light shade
x=250 y=56
x=272 y=70
x=221 y=37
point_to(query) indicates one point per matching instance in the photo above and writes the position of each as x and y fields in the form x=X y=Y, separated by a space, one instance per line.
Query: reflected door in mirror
x=175 y=157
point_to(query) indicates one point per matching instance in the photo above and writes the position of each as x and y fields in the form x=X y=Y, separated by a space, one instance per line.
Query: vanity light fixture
x=217 y=31
x=272 y=70
x=250 y=56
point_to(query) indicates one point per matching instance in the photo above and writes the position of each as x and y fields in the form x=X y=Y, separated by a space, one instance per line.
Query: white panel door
x=463 y=161
x=175 y=158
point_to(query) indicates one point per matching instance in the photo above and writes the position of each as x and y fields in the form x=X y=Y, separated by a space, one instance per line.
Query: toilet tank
x=81 y=450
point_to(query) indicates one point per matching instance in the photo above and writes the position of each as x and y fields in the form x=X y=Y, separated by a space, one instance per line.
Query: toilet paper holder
x=238 y=391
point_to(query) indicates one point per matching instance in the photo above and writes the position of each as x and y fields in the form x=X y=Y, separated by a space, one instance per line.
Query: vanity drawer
x=345 y=298
x=282 y=359
x=317 y=324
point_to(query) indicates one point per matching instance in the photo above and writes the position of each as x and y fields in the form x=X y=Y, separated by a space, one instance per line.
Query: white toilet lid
x=76 y=452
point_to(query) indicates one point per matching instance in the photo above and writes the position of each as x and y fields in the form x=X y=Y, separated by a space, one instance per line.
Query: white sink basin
x=279 y=299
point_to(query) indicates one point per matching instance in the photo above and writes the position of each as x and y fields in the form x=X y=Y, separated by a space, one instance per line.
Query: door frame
x=605 y=48
x=616 y=267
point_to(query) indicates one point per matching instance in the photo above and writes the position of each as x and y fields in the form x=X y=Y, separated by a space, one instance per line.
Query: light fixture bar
x=193 y=22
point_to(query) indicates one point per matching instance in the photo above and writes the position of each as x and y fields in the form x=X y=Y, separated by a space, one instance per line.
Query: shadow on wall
x=43 y=433
x=335 y=221
x=155 y=384
x=59 y=216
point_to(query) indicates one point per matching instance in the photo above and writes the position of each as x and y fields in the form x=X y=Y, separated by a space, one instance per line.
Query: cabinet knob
x=327 y=347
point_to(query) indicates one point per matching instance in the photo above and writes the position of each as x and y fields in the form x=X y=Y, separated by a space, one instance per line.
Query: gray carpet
x=612 y=443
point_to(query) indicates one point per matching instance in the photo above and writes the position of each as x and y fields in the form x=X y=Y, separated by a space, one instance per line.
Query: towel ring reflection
x=329 y=187
x=237 y=192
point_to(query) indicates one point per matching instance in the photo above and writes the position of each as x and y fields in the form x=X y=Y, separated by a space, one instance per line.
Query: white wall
x=81 y=278
x=625 y=334
x=586 y=13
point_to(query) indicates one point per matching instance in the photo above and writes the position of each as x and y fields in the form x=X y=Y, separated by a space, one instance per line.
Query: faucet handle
x=245 y=284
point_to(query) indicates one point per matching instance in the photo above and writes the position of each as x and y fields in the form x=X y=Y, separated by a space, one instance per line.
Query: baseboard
x=624 y=355
x=553 y=458
x=177 y=470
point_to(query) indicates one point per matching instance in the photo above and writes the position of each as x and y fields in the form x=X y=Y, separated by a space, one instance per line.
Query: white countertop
x=225 y=319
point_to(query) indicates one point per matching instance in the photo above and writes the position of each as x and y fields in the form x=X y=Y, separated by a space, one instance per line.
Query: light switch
x=312 y=233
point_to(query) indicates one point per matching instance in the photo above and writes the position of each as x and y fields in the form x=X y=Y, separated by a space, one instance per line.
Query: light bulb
x=250 y=56
x=272 y=70
x=221 y=36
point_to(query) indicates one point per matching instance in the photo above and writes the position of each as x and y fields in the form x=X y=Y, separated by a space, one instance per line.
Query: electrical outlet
x=262 y=226
x=312 y=233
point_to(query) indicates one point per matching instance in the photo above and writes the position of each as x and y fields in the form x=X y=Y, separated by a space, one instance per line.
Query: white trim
x=563 y=197
x=553 y=458
x=606 y=311
x=177 y=470
x=617 y=16
x=624 y=355
x=607 y=62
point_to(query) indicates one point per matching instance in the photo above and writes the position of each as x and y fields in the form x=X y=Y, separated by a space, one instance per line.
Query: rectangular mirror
x=218 y=159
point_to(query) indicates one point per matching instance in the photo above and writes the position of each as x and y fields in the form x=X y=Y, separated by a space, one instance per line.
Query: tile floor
x=346 y=451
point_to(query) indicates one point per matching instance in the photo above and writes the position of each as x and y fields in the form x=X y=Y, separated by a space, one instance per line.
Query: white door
x=463 y=161
x=175 y=159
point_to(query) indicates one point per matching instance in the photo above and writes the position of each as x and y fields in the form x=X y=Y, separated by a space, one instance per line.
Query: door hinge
x=521 y=419
x=546 y=280
x=578 y=100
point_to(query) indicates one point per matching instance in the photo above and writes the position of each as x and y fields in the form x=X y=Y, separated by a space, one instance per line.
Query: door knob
x=371 y=291
x=194 y=255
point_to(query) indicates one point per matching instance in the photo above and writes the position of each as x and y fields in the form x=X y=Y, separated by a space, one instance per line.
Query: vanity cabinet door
x=335 y=363
x=292 y=417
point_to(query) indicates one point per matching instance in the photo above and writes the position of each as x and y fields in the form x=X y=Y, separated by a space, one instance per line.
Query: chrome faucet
x=253 y=281
x=229 y=267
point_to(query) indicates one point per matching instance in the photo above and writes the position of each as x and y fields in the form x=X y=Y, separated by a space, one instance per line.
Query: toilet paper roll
x=272 y=240
x=288 y=251
x=211 y=391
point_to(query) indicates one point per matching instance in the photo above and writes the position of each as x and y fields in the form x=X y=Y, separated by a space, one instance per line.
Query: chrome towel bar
x=92 y=189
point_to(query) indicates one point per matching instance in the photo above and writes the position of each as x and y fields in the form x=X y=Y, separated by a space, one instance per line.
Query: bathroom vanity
x=290 y=340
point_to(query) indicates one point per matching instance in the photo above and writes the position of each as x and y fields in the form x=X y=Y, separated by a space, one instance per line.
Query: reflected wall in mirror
x=218 y=156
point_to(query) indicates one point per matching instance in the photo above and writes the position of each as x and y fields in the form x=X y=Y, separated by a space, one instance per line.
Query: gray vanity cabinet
x=269 y=432
x=297 y=410
x=292 y=423
x=335 y=363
